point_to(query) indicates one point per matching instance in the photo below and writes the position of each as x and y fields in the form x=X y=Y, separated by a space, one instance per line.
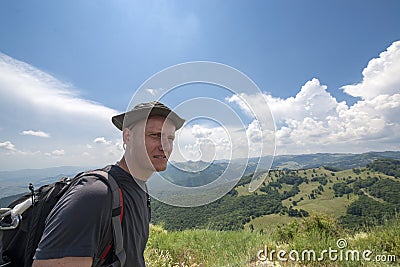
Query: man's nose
x=165 y=144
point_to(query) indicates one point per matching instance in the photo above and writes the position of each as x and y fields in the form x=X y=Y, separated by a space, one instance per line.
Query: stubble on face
x=149 y=146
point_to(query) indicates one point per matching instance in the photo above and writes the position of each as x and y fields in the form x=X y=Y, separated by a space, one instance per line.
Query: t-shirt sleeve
x=78 y=222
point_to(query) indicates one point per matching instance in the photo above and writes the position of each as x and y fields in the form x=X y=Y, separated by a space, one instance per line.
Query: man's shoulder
x=93 y=177
x=89 y=183
x=100 y=181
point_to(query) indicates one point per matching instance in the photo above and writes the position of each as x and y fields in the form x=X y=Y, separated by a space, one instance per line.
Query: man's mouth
x=160 y=156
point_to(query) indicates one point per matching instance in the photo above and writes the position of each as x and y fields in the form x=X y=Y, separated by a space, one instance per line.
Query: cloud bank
x=311 y=121
x=32 y=99
x=44 y=93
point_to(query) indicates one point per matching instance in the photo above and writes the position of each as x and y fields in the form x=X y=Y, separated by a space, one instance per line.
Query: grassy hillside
x=314 y=200
x=288 y=195
x=240 y=248
x=320 y=217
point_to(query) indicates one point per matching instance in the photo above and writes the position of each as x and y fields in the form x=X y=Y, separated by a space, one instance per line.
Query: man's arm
x=64 y=262
x=76 y=226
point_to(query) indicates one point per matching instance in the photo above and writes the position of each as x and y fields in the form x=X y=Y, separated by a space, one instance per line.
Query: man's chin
x=161 y=169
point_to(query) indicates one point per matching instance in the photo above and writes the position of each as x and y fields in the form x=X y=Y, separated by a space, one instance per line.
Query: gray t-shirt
x=81 y=220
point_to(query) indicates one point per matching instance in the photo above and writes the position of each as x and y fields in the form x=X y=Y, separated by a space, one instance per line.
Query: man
x=80 y=222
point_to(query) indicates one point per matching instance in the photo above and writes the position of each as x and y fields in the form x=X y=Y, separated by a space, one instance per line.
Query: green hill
x=357 y=198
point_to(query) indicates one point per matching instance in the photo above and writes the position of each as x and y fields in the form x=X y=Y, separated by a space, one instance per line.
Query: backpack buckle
x=15 y=215
x=12 y=222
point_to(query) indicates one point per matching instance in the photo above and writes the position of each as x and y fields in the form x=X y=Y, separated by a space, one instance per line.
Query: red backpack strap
x=116 y=219
x=121 y=201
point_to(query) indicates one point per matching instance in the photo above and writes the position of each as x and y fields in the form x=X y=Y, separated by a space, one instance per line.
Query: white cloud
x=43 y=93
x=101 y=140
x=119 y=146
x=238 y=100
x=7 y=146
x=201 y=142
x=36 y=133
x=9 y=150
x=58 y=152
x=151 y=91
x=55 y=153
x=32 y=99
x=201 y=131
x=254 y=132
x=312 y=101
x=313 y=120
x=207 y=143
x=380 y=77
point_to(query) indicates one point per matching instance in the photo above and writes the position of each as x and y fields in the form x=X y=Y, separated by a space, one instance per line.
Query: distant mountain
x=305 y=161
x=336 y=160
x=35 y=173
x=182 y=173
x=198 y=173
x=193 y=173
x=16 y=182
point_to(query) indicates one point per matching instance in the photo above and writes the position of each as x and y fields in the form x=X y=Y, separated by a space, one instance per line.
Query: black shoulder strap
x=116 y=221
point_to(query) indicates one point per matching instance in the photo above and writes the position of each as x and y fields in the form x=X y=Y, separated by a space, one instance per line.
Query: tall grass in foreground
x=203 y=247
x=239 y=248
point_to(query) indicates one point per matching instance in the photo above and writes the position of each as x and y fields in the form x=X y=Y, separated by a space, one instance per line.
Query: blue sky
x=67 y=66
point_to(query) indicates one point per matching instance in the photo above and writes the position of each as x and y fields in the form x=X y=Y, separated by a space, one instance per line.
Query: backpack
x=23 y=222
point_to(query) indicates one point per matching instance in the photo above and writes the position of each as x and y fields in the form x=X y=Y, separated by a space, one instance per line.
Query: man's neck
x=122 y=164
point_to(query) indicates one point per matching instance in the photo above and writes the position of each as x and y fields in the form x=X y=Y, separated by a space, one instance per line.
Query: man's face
x=149 y=146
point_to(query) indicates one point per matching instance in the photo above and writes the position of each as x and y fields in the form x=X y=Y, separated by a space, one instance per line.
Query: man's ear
x=126 y=135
